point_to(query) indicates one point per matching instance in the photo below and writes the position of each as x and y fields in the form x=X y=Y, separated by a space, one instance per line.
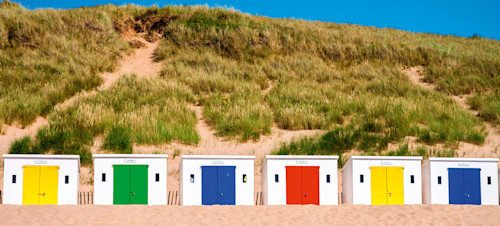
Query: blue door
x=218 y=185
x=472 y=186
x=209 y=185
x=226 y=188
x=464 y=186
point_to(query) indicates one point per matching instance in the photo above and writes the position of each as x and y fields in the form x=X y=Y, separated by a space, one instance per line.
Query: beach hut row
x=229 y=180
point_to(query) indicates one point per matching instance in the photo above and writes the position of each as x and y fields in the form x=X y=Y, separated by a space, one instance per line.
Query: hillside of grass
x=250 y=73
x=47 y=56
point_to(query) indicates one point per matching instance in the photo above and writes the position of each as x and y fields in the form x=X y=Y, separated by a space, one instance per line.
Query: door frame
x=301 y=187
x=130 y=182
x=387 y=192
x=464 y=182
x=40 y=182
x=216 y=184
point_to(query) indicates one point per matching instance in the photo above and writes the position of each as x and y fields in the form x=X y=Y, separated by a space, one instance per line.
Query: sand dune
x=468 y=150
x=250 y=215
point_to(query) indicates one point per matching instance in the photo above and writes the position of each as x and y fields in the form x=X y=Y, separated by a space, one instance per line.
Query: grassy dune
x=251 y=72
x=47 y=56
x=133 y=110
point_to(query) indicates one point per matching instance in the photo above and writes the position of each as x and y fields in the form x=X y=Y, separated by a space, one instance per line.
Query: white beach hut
x=216 y=180
x=123 y=179
x=382 y=180
x=460 y=181
x=41 y=179
x=300 y=179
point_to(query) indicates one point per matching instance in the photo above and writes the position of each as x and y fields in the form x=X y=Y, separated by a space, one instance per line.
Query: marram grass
x=248 y=72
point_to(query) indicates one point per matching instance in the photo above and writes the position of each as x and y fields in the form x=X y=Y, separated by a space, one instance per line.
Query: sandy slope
x=250 y=215
x=491 y=146
x=140 y=63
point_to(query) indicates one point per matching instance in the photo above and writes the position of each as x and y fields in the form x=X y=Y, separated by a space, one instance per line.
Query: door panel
x=293 y=185
x=456 y=186
x=310 y=185
x=226 y=185
x=395 y=186
x=31 y=185
x=138 y=184
x=379 y=185
x=121 y=184
x=209 y=194
x=48 y=184
x=472 y=186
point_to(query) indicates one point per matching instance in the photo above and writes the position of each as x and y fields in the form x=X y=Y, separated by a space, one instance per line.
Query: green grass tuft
x=119 y=140
x=22 y=146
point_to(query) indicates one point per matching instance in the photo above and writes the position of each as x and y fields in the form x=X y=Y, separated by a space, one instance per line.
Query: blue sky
x=458 y=17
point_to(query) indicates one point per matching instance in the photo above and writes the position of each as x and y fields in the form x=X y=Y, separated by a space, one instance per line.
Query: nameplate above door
x=217 y=162
x=130 y=161
x=386 y=163
x=40 y=161
x=301 y=161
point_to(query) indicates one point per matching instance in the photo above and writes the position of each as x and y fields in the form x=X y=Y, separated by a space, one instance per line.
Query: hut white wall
x=426 y=188
x=439 y=193
x=263 y=183
x=67 y=194
x=499 y=185
x=276 y=192
x=191 y=192
x=361 y=192
x=103 y=190
x=347 y=184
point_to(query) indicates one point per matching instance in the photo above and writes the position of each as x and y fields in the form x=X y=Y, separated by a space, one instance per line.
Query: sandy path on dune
x=141 y=63
x=491 y=146
x=251 y=215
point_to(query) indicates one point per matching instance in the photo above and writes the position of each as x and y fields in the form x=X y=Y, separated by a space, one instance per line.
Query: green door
x=139 y=186
x=130 y=184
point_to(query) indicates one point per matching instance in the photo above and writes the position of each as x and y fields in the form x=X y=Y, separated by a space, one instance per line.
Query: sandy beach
x=250 y=215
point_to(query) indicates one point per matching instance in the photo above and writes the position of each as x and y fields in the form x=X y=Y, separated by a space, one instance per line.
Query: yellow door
x=395 y=186
x=379 y=185
x=387 y=185
x=40 y=185
x=31 y=184
x=48 y=184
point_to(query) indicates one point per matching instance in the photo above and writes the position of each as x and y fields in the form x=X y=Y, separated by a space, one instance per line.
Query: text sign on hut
x=40 y=161
x=217 y=162
x=386 y=163
x=463 y=164
x=129 y=160
x=301 y=161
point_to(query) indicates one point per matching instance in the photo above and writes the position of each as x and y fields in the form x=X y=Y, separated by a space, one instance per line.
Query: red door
x=310 y=185
x=302 y=185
